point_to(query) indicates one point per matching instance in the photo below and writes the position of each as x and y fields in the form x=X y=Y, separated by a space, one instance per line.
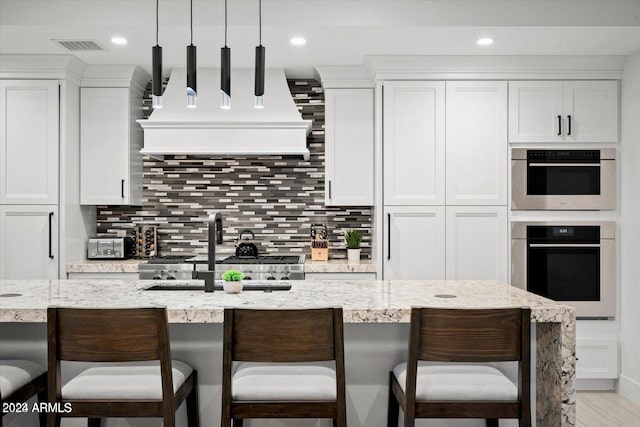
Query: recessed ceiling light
x=118 y=40
x=298 y=41
x=484 y=41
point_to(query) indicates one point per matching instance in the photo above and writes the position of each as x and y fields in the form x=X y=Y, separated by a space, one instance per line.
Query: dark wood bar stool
x=133 y=383
x=20 y=380
x=283 y=364
x=463 y=390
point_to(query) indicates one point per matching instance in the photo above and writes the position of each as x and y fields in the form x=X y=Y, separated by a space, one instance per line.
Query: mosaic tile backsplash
x=276 y=197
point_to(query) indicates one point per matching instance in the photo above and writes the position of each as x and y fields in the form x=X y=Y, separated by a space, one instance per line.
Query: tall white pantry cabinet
x=42 y=225
x=445 y=180
x=29 y=184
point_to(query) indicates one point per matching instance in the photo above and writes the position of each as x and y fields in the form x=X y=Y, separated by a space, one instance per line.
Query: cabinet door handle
x=559 y=125
x=329 y=189
x=122 y=188
x=569 y=130
x=50 y=235
x=388 y=236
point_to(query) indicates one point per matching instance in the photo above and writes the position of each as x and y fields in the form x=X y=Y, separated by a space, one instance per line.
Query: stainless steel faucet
x=215 y=236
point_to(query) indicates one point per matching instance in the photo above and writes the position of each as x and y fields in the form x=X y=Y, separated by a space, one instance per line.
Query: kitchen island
x=376 y=316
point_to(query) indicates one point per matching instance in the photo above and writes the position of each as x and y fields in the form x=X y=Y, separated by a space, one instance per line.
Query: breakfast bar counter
x=376 y=316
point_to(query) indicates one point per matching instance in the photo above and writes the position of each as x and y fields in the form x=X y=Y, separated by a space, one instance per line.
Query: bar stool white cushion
x=124 y=380
x=284 y=381
x=16 y=373
x=459 y=382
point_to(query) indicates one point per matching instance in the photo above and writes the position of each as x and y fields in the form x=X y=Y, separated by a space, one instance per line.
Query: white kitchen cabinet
x=477 y=243
x=29 y=243
x=476 y=143
x=110 y=141
x=29 y=142
x=597 y=358
x=593 y=108
x=349 y=147
x=563 y=111
x=414 y=143
x=414 y=242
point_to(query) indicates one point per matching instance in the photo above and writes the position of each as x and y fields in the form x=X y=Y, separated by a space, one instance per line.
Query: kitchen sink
x=254 y=286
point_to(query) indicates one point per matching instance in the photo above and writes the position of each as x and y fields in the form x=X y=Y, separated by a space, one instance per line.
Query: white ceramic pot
x=353 y=256
x=232 y=287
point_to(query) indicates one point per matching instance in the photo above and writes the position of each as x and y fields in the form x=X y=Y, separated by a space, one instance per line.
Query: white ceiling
x=338 y=32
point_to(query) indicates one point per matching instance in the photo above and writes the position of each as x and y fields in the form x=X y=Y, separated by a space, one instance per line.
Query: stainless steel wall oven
x=571 y=262
x=563 y=179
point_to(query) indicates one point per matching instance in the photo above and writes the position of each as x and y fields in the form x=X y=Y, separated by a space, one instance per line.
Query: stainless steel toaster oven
x=111 y=248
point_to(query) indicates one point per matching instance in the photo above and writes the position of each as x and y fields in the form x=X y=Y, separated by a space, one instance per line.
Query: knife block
x=319 y=250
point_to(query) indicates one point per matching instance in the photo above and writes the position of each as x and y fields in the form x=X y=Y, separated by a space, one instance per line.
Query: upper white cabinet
x=349 y=147
x=110 y=138
x=414 y=143
x=591 y=109
x=563 y=111
x=29 y=243
x=29 y=142
x=414 y=242
x=476 y=143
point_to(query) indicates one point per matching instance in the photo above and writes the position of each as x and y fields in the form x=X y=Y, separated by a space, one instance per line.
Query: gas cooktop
x=262 y=267
x=260 y=259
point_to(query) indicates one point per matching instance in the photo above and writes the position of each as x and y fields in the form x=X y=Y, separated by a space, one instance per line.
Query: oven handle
x=544 y=165
x=564 y=245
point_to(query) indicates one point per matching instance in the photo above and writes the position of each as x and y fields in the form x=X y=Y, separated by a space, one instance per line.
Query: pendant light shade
x=156 y=56
x=259 y=77
x=225 y=68
x=259 y=71
x=192 y=90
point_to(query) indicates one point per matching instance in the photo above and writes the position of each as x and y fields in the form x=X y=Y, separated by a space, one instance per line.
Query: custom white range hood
x=208 y=130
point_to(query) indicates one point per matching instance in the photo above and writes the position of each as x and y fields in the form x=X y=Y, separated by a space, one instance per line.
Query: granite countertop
x=105 y=266
x=363 y=301
x=131 y=266
x=339 y=266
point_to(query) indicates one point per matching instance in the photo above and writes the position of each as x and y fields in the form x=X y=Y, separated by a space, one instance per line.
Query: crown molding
x=494 y=67
x=59 y=67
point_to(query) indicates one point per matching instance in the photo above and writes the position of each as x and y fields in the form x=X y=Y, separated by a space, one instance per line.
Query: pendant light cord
x=225 y=23
x=191 y=22
x=260 y=21
x=157 y=25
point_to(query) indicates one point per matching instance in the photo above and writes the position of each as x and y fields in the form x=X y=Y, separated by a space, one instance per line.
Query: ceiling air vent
x=79 y=45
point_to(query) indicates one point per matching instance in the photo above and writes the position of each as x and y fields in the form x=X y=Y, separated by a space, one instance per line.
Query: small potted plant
x=353 y=238
x=232 y=281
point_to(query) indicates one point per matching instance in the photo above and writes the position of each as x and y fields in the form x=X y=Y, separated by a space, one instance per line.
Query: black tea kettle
x=245 y=247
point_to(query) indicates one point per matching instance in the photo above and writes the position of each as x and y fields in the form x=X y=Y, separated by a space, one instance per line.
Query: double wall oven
x=571 y=261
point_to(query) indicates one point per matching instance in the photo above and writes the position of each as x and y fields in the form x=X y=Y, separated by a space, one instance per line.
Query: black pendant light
x=156 y=52
x=192 y=91
x=259 y=79
x=225 y=70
